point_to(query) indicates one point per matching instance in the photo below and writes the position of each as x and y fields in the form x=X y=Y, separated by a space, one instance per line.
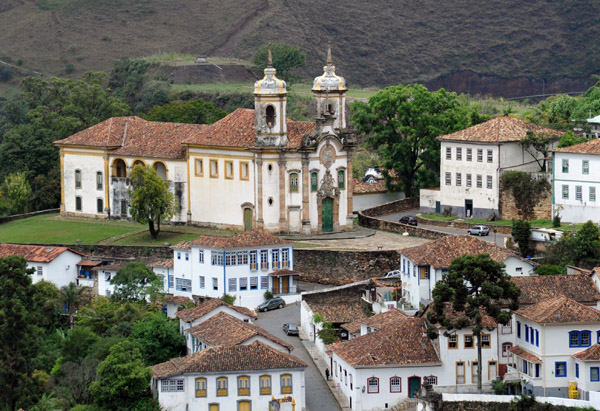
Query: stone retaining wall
x=377 y=224
x=392 y=207
x=27 y=215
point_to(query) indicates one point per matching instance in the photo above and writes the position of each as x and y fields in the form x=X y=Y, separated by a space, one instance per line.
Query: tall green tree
x=151 y=200
x=18 y=192
x=18 y=335
x=191 y=111
x=521 y=234
x=285 y=58
x=159 y=338
x=135 y=282
x=74 y=297
x=402 y=123
x=475 y=285
x=569 y=139
x=539 y=145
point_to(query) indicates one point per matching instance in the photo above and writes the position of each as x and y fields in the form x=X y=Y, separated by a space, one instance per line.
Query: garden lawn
x=474 y=221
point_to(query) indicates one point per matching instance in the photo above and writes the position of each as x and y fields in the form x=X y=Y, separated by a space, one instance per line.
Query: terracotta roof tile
x=177 y=299
x=224 y=329
x=384 y=319
x=33 y=253
x=201 y=310
x=160 y=262
x=589 y=147
x=524 y=354
x=255 y=356
x=402 y=343
x=559 y=310
x=358 y=187
x=578 y=287
x=441 y=252
x=112 y=267
x=338 y=311
x=284 y=272
x=498 y=130
x=353 y=327
x=589 y=354
x=251 y=238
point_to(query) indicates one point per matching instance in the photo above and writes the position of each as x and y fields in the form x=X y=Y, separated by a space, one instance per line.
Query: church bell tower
x=329 y=91
x=270 y=100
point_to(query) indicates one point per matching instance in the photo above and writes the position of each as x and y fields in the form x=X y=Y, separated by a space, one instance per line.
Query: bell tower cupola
x=270 y=101
x=329 y=91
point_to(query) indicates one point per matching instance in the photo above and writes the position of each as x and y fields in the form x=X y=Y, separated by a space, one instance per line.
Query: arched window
x=160 y=169
x=314 y=181
x=77 y=178
x=243 y=385
x=293 y=182
x=119 y=168
x=265 y=385
x=373 y=385
x=200 y=387
x=270 y=116
x=286 y=383
x=395 y=384
x=222 y=387
x=138 y=162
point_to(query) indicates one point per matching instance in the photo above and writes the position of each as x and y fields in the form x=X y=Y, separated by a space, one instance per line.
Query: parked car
x=273 y=303
x=290 y=329
x=479 y=230
x=393 y=273
x=408 y=219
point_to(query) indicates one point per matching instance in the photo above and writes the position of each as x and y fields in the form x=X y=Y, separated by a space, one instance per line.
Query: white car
x=393 y=273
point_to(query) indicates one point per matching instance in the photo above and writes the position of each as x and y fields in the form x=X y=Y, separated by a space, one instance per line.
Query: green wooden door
x=327 y=215
x=414 y=383
x=247 y=219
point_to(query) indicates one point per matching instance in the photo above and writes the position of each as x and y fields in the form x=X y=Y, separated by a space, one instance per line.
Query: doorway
x=438 y=207
x=468 y=208
x=327 y=215
x=244 y=406
x=275 y=285
x=247 y=219
x=285 y=284
x=414 y=383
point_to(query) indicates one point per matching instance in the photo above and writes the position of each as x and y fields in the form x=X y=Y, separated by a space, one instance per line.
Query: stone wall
x=110 y=252
x=377 y=224
x=508 y=210
x=392 y=207
x=27 y=215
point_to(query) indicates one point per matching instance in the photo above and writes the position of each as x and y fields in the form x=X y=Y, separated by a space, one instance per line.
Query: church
x=253 y=169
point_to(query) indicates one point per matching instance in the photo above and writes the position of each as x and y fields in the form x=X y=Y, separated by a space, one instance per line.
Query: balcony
x=85 y=282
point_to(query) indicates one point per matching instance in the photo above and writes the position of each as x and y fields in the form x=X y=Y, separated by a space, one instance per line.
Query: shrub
x=549 y=269
x=70 y=68
x=229 y=299
x=556 y=221
x=268 y=295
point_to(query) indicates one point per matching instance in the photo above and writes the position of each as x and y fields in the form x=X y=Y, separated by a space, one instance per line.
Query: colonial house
x=594 y=124
x=472 y=163
x=387 y=365
x=200 y=313
x=575 y=182
x=423 y=266
x=243 y=266
x=226 y=330
x=58 y=265
x=556 y=344
x=241 y=377
x=262 y=170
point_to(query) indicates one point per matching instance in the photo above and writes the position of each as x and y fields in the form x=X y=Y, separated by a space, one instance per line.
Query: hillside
x=463 y=45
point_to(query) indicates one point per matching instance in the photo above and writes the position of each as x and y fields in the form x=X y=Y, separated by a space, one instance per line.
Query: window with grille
x=469 y=154
x=373 y=385
x=458 y=153
x=216 y=258
x=448 y=179
x=181 y=284
x=452 y=341
x=254 y=283
x=200 y=387
x=448 y=153
x=286 y=384
x=201 y=256
x=265 y=385
x=430 y=380
x=468 y=180
x=469 y=341
x=565 y=192
x=585 y=167
x=242 y=257
x=395 y=384
x=485 y=341
x=222 y=387
x=264 y=282
x=275 y=258
x=294 y=182
x=202 y=281
x=40 y=270
x=243 y=386
x=479 y=155
x=172 y=385
x=565 y=166
x=592 y=193
x=253 y=260
x=490 y=156
x=232 y=284
x=458 y=179
x=77 y=178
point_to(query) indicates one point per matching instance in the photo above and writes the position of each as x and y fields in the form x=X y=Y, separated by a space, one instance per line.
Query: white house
x=423 y=266
x=243 y=266
x=556 y=343
x=196 y=315
x=472 y=162
x=242 y=378
x=262 y=170
x=576 y=181
x=594 y=123
x=58 y=265
x=383 y=367
x=226 y=330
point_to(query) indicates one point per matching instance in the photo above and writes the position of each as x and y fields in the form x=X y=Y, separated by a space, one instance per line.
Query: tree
x=18 y=192
x=74 y=297
x=521 y=233
x=526 y=189
x=159 y=338
x=151 y=200
x=135 y=282
x=18 y=335
x=402 y=123
x=587 y=246
x=475 y=286
x=285 y=58
x=191 y=111
x=123 y=378
x=536 y=144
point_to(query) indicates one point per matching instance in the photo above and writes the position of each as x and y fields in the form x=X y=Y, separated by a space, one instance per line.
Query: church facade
x=253 y=169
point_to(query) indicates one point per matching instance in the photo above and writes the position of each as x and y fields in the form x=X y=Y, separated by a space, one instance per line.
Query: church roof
x=134 y=136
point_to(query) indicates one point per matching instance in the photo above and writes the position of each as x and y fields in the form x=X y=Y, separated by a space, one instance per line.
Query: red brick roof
x=389 y=317
x=578 y=287
x=255 y=356
x=498 y=130
x=402 y=343
x=33 y=253
x=252 y=238
x=224 y=329
x=589 y=147
x=589 y=354
x=441 y=252
x=559 y=310
x=524 y=354
x=201 y=310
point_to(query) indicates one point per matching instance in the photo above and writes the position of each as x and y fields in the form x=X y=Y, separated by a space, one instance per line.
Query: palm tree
x=74 y=297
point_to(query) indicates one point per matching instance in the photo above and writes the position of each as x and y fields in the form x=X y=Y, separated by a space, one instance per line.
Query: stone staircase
x=407 y=403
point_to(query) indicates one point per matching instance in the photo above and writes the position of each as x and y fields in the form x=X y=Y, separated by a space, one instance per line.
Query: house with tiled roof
x=575 y=182
x=223 y=329
x=383 y=367
x=239 y=377
x=472 y=163
x=423 y=266
x=58 y=265
x=253 y=169
x=556 y=343
x=244 y=266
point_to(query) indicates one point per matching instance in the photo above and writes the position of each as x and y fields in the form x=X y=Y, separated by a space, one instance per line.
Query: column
x=282 y=176
x=349 y=189
x=259 y=189
x=306 y=187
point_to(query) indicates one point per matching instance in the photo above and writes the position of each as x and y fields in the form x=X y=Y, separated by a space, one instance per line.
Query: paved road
x=318 y=395
x=497 y=238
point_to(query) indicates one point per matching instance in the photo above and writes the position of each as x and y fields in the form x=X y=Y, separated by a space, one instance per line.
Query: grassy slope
x=381 y=42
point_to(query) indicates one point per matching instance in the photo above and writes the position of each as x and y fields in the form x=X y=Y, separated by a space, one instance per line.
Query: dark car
x=408 y=219
x=290 y=329
x=273 y=303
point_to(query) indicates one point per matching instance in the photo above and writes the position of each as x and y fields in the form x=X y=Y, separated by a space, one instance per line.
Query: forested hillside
x=380 y=42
